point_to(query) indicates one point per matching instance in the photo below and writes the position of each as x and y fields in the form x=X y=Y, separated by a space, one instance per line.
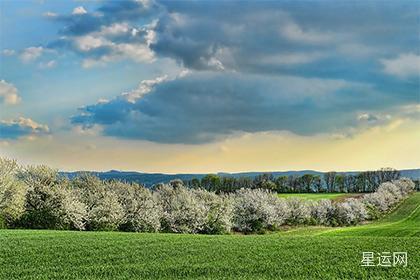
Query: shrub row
x=37 y=197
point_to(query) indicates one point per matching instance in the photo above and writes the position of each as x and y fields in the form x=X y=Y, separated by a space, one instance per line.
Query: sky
x=209 y=86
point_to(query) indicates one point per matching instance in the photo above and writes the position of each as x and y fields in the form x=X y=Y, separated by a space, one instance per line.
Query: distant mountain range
x=149 y=179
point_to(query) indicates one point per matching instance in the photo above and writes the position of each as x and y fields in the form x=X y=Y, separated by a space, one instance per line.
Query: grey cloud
x=204 y=107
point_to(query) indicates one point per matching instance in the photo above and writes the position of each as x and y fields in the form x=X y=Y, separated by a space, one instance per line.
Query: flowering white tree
x=182 y=212
x=12 y=192
x=142 y=211
x=39 y=197
x=394 y=193
x=351 y=211
x=44 y=201
x=104 y=211
x=73 y=212
x=387 y=195
x=324 y=212
x=217 y=211
x=405 y=185
x=253 y=210
x=300 y=210
x=282 y=211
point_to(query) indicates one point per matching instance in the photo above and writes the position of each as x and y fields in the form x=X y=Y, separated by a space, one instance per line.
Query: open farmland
x=311 y=252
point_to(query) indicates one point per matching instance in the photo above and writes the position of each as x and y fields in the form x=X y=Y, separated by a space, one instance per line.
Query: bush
x=254 y=210
x=282 y=211
x=324 y=212
x=300 y=211
x=350 y=212
x=49 y=203
x=38 y=197
x=217 y=211
x=387 y=195
x=142 y=212
x=12 y=193
x=74 y=212
x=405 y=185
x=104 y=211
x=182 y=212
x=377 y=201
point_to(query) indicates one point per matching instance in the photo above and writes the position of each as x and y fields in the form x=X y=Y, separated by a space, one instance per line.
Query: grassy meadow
x=318 y=196
x=299 y=253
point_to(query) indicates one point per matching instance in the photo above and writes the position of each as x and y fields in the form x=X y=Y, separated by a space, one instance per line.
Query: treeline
x=37 y=197
x=362 y=182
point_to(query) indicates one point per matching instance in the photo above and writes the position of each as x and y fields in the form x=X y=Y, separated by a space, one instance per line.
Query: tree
x=387 y=175
x=264 y=181
x=300 y=211
x=253 y=210
x=308 y=182
x=12 y=193
x=281 y=184
x=339 y=182
x=317 y=184
x=195 y=183
x=361 y=179
x=142 y=211
x=293 y=183
x=211 y=182
x=42 y=201
x=351 y=211
x=104 y=211
x=217 y=212
x=350 y=183
x=329 y=179
x=182 y=212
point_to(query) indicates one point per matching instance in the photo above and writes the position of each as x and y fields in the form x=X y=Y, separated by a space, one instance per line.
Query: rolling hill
x=150 y=179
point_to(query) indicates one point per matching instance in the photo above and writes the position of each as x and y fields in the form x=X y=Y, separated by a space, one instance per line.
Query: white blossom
x=182 y=212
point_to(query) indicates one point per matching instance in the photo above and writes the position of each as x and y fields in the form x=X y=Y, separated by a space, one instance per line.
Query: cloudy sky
x=207 y=86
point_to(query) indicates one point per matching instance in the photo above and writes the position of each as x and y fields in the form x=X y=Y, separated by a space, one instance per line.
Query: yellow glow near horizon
x=395 y=145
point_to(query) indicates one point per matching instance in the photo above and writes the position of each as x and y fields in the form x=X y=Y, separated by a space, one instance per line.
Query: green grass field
x=317 y=196
x=302 y=253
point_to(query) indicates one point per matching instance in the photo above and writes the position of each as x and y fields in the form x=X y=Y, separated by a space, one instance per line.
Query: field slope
x=403 y=222
x=309 y=253
x=318 y=196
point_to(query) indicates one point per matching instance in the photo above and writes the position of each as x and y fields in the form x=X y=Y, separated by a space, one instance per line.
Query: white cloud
x=48 y=64
x=89 y=63
x=139 y=52
x=411 y=108
x=144 y=87
x=87 y=131
x=79 y=11
x=8 y=93
x=22 y=128
x=404 y=66
x=50 y=14
x=31 y=53
x=374 y=119
x=89 y=42
x=292 y=58
x=8 y=52
x=27 y=122
x=294 y=32
x=115 y=29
